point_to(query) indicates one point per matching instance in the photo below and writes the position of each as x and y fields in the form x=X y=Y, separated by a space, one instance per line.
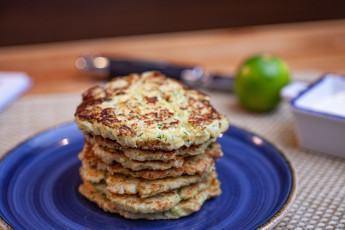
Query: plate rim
x=269 y=224
x=279 y=215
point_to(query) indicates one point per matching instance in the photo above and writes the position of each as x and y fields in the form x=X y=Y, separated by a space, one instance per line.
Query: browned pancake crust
x=115 y=111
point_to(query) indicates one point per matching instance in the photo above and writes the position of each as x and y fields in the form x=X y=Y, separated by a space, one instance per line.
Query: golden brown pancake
x=149 y=111
x=149 y=155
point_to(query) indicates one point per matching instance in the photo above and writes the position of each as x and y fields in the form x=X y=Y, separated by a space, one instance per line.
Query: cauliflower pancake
x=149 y=155
x=160 y=202
x=184 y=208
x=198 y=164
x=121 y=184
x=109 y=156
x=193 y=165
x=149 y=111
x=124 y=184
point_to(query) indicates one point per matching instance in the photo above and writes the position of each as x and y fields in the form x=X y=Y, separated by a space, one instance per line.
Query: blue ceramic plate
x=39 y=187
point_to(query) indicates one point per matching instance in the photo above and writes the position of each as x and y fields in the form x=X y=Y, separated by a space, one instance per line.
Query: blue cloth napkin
x=12 y=85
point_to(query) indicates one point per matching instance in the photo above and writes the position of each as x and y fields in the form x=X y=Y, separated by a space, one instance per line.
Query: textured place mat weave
x=320 y=199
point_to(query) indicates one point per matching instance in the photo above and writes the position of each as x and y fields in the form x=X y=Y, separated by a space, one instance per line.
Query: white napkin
x=12 y=85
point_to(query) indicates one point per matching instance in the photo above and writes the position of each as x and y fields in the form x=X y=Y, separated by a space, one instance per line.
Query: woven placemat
x=320 y=198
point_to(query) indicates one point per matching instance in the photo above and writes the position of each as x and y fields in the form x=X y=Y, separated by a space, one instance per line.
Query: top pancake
x=149 y=111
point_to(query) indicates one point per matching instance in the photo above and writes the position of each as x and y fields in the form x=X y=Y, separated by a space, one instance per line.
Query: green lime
x=259 y=80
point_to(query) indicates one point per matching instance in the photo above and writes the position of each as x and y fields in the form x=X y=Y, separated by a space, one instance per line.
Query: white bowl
x=319 y=113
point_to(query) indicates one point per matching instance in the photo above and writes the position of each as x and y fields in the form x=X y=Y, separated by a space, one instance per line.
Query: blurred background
x=40 y=21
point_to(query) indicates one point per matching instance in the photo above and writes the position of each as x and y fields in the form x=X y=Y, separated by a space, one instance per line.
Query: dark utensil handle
x=122 y=68
x=221 y=82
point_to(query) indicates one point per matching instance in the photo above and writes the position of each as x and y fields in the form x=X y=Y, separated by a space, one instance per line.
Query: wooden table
x=305 y=46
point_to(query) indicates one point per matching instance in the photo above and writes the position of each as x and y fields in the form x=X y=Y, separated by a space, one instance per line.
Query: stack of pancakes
x=150 y=147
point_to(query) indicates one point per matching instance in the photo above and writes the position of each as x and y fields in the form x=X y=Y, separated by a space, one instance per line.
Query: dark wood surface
x=37 y=21
x=304 y=46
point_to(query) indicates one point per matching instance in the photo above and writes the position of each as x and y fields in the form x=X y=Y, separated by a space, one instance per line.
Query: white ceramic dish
x=319 y=115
